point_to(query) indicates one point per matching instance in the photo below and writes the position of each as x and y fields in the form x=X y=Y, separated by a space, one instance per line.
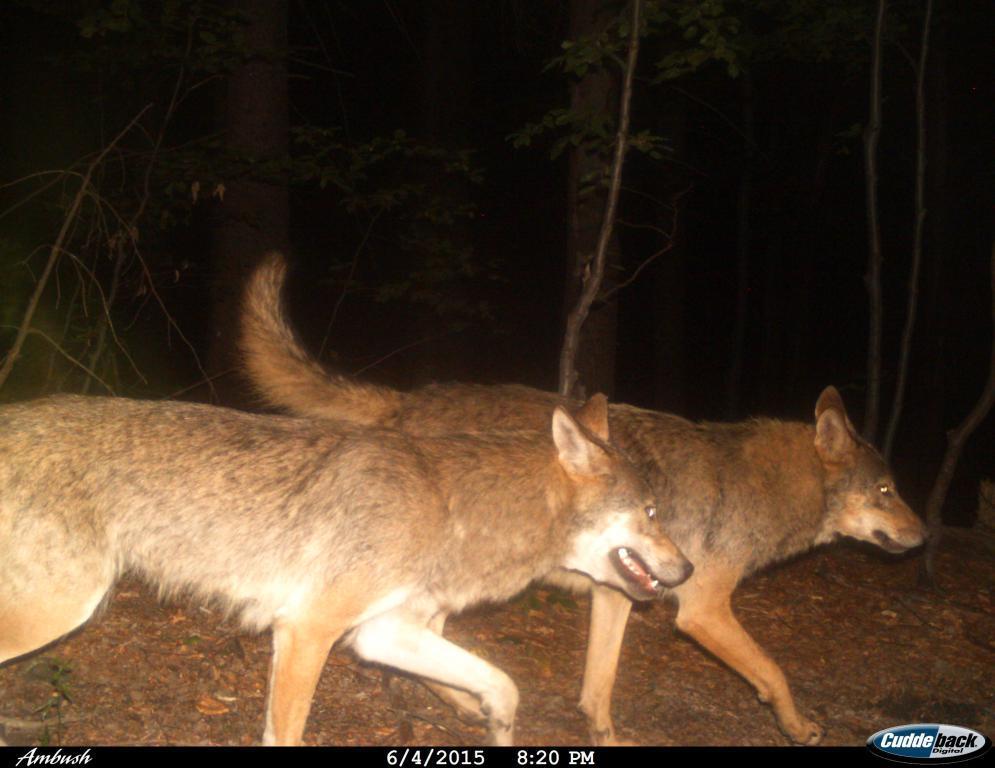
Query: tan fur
x=322 y=532
x=270 y=357
x=735 y=497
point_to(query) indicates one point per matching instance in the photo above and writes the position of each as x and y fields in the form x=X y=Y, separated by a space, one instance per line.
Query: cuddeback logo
x=928 y=743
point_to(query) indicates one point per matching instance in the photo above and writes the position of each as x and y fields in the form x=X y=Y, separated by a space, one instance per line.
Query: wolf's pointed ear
x=578 y=454
x=835 y=439
x=829 y=399
x=593 y=416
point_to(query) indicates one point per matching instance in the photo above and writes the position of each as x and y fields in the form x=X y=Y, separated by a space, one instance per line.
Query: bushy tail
x=284 y=374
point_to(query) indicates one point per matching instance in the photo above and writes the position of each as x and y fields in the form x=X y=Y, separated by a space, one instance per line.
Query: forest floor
x=862 y=648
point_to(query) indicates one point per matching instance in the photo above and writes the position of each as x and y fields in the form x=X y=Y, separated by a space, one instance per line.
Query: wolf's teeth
x=623 y=552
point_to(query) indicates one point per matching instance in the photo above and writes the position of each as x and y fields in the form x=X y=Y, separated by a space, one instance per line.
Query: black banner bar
x=434 y=757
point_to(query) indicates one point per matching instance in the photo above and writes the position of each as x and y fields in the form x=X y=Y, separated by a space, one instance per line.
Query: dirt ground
x=861 y=647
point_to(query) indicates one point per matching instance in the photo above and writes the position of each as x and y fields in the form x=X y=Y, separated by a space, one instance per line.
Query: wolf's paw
x=603 y=737
x=804 y=732
x=622 y=743
x=609 y=739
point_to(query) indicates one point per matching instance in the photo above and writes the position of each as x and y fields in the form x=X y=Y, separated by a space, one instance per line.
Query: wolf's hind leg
x=33 y=618
x=705 y=613
x=401 y=642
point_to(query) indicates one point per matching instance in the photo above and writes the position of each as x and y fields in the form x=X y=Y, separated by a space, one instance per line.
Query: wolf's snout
x=914 y=537
x=901 y=539
x=678 y=573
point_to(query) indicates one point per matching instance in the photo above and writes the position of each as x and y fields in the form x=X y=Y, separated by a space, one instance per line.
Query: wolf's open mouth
x=636 y=572
x=887 y=543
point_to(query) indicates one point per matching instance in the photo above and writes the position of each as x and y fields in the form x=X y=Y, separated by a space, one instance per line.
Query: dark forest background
x=421 y=163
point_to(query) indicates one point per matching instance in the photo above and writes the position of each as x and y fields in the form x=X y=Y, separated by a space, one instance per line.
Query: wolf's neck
x=748 y=493
x=784 y=489
x=508 y=513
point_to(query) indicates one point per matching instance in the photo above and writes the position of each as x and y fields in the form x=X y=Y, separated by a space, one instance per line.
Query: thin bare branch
x=38 y=174
x=200 y=383
x=199 y=84
x=404 y=348
x=65 y=332
x=105 y=303
x=743 y=134
x=955 y=444
x=917 y=236
x=171 y=321
x=131 y=228
x=61 y=351
x=67 y=223
x=596 y=269
x=671 y=237
x=59 y=176
x=345 y=285
x=636 y=272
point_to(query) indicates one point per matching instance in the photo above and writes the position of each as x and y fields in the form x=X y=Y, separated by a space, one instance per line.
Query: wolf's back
x=281 y=370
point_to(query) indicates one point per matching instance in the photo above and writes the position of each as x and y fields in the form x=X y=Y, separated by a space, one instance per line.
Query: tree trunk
x=446 y=82
x=812 y=239
x=255 y=213
x=874 y=258
x=773 y=293
x=937 y=252
x=917 y=236
x=669 y=331
x=734 y=381
x=445 y=85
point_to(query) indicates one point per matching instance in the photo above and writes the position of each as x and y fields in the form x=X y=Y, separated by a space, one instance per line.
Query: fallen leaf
x=209 y=706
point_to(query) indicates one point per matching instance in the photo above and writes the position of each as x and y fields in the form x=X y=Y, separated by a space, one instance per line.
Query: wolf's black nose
x=688 y=570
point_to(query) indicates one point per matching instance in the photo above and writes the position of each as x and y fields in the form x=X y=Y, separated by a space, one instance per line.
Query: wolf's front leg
x=705 y=613
x=400 y=641
x=466 y=705
x=609 y=613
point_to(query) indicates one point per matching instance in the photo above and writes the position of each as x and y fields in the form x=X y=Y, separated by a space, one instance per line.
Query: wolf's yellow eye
x=885 y=489
x=651 y=512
